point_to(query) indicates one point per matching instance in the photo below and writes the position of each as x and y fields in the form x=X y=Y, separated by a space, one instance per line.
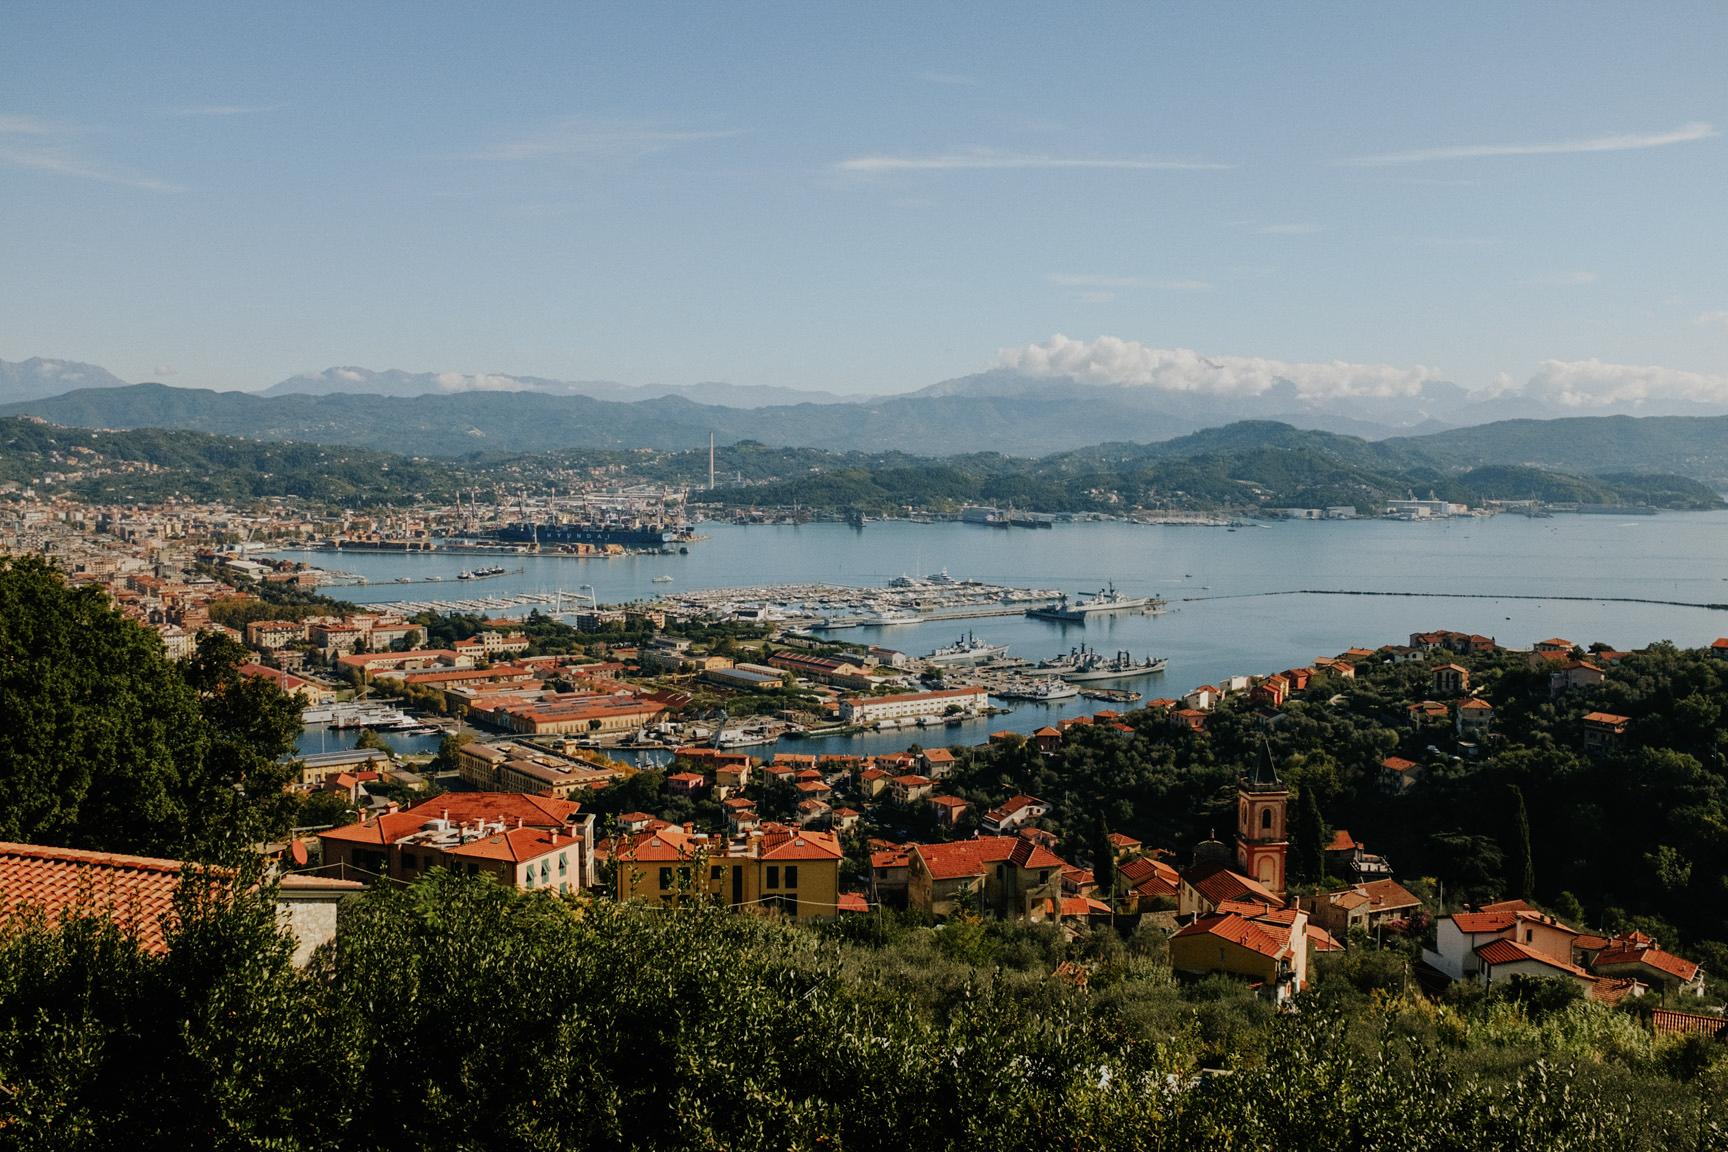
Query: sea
x=1240 y=601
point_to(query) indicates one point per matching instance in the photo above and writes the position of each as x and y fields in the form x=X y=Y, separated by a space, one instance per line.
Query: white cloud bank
x=1583 y=387
x=1587 y=384
x=1126 y=363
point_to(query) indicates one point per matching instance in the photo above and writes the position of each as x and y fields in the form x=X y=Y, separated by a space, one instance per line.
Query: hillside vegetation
x=1245 y=466
x=1034 y=423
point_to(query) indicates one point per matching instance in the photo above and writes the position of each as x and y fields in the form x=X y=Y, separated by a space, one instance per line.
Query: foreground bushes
x=458 y=1014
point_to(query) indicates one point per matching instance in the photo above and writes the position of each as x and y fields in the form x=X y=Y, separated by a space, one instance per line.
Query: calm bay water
x=1229 y=628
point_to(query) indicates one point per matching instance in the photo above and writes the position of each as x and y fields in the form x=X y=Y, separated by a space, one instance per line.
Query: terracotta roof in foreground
x=136 y=890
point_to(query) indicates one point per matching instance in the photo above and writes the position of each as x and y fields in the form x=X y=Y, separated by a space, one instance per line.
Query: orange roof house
x=1006 y=876
x=1271 y=951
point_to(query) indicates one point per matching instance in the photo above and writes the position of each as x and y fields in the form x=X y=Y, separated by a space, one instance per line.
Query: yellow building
x=795 y=872
x=1268 y=946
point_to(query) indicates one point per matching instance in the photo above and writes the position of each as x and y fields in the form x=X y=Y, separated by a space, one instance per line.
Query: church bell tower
x=1262 y=804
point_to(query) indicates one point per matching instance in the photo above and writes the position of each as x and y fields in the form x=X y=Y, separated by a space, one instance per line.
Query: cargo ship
x=597 y=535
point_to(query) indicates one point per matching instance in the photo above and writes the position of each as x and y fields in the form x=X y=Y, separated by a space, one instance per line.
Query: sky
x=867 y=197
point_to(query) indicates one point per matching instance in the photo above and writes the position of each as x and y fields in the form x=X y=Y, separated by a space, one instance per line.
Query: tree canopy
x=108 y=744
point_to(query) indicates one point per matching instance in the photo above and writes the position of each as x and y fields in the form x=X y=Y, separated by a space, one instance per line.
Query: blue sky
x=860 y=198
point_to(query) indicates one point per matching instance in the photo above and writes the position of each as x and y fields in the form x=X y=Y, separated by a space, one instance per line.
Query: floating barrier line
x=1463 y=596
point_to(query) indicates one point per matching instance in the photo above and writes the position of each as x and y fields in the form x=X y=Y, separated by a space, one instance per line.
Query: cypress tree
x=1103 y=860
x=1310 y=838
x=1523 y=860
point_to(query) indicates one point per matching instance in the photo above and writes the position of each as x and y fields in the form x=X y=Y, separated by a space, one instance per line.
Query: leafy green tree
x=108 y=744
x=369 y=738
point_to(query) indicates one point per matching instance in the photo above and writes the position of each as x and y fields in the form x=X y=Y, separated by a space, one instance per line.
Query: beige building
x=1004 y=876
x=910 y=705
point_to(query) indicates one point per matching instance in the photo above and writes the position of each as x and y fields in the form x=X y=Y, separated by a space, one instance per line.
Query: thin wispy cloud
x=226 y=109
x=1562 y=279
x=1288 y=229
x=1070 y=280
x=581 y=138
x=992 y=159
x=1711 y=320
x=1087 y=280
x=947 y=78
x=14 y=124
x=63 y=163
x=44 y=153
x=1686 y=133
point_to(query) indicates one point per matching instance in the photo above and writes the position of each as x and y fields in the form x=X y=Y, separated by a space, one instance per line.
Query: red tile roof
x=1512 y=952
x=1476 y=923
x=974 y=857
x=136 y=890
x=1218 y=883
x=462 y=808
x=1149 y=877
x=1236 y=930
x=1619 y=953
x=515 y=845
x=801 y=845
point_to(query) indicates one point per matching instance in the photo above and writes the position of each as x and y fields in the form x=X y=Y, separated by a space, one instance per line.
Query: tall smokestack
x=710 y=461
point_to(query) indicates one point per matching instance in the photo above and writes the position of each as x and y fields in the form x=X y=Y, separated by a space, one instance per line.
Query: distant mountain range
x=35 y=377
x=428 y=414
x=364 y=381
x=500 y=422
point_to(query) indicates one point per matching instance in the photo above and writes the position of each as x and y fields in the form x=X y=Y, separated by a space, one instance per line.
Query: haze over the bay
x=1466 y=205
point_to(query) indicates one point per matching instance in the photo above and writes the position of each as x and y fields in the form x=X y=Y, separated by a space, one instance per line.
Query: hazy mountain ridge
x=39 y=377
x=465 y=422
x=395 y=382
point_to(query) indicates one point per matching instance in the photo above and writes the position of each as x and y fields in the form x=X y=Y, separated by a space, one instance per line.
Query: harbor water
x=1220 y=619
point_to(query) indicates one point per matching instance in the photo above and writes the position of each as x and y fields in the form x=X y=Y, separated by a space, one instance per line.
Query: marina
x=1559 y=578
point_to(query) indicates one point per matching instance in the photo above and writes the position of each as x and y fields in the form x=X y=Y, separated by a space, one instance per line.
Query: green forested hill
x=150 y=465
x=1695 y=446
x=1241 y=467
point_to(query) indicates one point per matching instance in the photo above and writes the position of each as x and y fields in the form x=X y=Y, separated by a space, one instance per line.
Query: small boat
x=662 y=579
